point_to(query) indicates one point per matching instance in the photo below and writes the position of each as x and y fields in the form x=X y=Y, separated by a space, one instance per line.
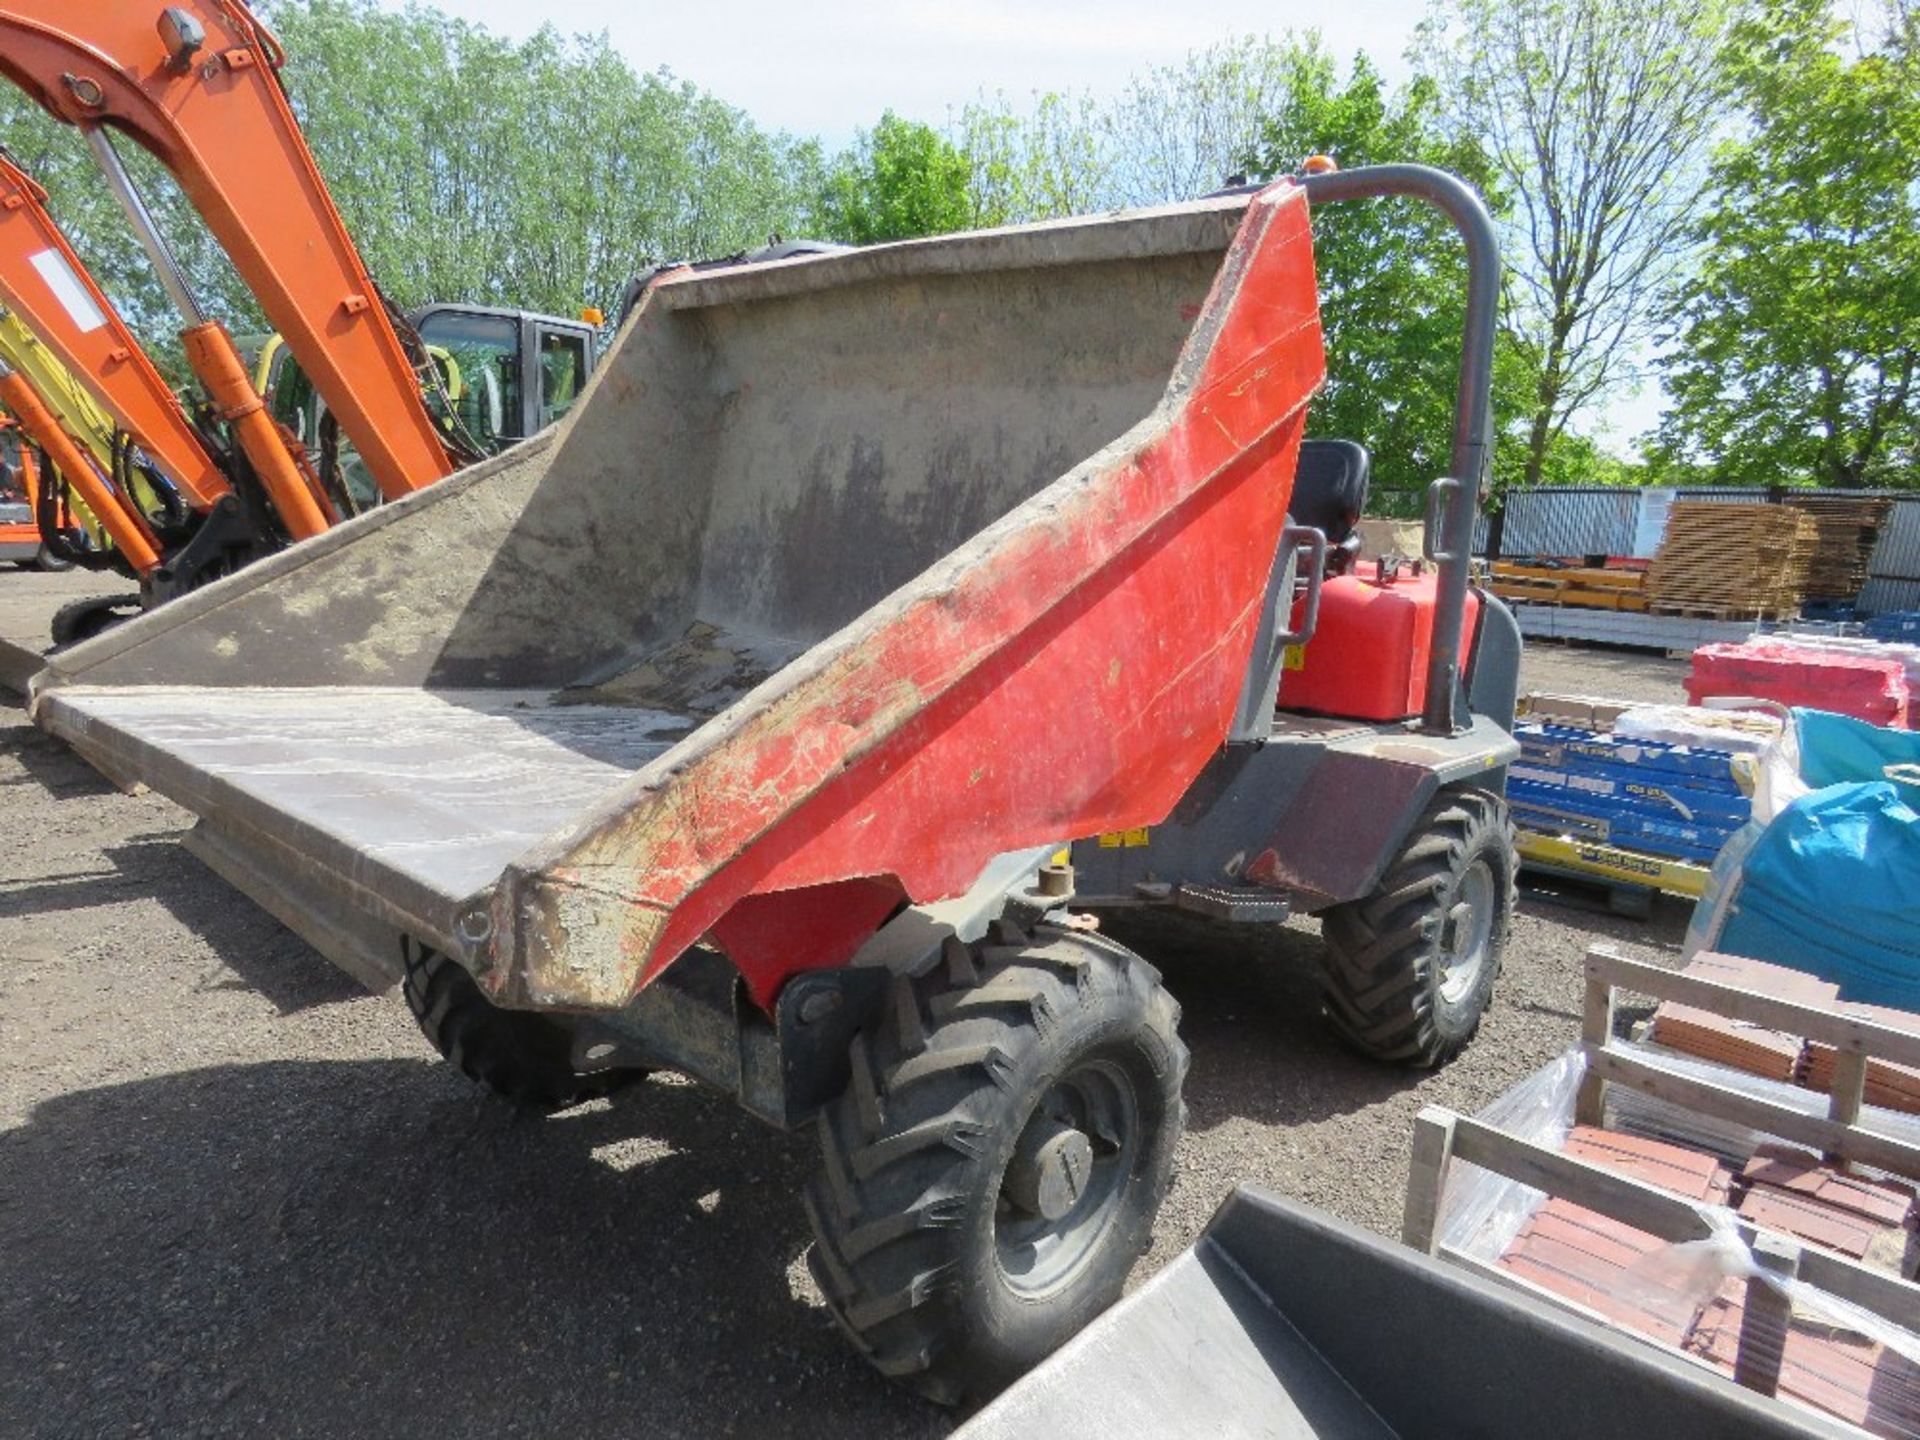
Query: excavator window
x=563 y=370
x=293 y=400
x=487 y=350
x=13 y=489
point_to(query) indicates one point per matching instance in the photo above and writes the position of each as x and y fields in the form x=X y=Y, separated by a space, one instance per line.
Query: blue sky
x=829 y=67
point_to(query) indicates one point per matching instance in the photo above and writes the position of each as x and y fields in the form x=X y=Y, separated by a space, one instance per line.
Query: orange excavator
x=20 y=540
x=222 y=507
x=197 y=85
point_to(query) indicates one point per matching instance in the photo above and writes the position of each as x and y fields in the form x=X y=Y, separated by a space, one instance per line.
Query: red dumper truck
x=786 y=715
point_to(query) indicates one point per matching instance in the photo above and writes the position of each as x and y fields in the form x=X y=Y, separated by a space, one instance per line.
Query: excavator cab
x=19 y=536
x=500 y=376
x=518 y=371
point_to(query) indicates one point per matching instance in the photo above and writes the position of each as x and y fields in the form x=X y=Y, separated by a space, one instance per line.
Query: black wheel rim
x=1095 y=1103
x=1466 y=943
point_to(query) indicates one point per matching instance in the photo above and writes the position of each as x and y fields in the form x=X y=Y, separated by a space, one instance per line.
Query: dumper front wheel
x=524 y=1058
x=994 y=1169
x=1409 y=969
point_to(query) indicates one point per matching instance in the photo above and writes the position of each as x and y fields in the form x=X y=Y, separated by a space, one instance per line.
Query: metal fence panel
x=1596 y=521
x=1569 y=522
x=1893 y=574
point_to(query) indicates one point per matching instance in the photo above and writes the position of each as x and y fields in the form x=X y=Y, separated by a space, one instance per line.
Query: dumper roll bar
x=1453 y=503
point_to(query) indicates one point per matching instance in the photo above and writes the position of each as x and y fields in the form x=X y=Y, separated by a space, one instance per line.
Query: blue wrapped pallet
x=1558 y=810
x=1901 y=625
x=1673 y=801
x=1561 y=746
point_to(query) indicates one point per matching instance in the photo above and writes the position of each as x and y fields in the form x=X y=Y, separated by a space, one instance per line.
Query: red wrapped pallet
x=1864 y=686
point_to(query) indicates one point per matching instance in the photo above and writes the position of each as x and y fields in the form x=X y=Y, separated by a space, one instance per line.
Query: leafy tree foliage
x=1392 y=275
x=1050 y=159
x=1594 y=118
x=544 y=172
x=901 y=179
x=468 y=167
x=1798 y=338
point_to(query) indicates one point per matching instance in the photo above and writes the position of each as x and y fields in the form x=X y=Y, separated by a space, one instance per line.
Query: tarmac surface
x=238 y=1196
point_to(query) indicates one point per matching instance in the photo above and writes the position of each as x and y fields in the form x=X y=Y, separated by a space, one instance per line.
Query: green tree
x=468 y=167
x=1798 y=340
x=1053 y=158
x=1595 y=118
x=899 y=180
x=1184 y=129
x=1392 y=275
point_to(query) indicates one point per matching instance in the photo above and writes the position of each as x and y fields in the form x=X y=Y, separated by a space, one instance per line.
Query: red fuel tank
x=1368 y=656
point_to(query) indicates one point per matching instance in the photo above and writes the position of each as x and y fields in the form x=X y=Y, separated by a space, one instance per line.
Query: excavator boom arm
x=43 y=282
x=196 y=85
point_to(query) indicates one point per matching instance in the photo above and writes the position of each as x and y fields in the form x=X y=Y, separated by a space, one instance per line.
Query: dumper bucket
x=1284 y=1323
x=846 y=574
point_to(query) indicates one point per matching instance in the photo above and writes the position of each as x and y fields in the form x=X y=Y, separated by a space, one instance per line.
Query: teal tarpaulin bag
x=1830 y=883
x=1832 y=887
x=1835 y=749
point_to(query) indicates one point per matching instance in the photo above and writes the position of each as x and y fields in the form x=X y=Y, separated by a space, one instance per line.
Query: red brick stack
x=1585 y=1257
x=1740 y=1044
x=1791 y=1192
x=1859 y=1381
x=1890 y=1086
x=1614 y=1269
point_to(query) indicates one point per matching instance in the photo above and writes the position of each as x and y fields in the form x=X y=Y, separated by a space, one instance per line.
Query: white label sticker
x=68 y=290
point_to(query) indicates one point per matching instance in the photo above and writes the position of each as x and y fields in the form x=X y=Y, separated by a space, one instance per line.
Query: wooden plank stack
x=1587 y=586
x=1730 y=561
x=1849 y=527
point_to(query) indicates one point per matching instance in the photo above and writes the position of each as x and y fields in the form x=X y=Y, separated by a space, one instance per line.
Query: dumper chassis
x=849 y=868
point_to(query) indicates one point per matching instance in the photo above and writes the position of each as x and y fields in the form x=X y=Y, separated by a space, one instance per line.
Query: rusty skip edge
x=592 y=914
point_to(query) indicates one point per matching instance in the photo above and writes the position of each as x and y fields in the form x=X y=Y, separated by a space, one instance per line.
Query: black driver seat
x=1329 y=494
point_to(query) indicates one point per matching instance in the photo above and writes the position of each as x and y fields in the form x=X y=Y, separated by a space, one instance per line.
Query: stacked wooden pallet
x=1849 y=527
x=1587 y=586
x=1731 y=561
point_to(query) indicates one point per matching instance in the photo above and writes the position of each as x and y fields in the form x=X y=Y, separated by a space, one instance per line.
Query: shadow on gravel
x=137 y=869
x=373 y=1249
x=1250 y=1012
x=47 y=761
x=261 y=954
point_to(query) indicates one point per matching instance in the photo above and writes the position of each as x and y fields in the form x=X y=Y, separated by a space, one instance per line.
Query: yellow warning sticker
x=1294 y=657
x=1124 y=839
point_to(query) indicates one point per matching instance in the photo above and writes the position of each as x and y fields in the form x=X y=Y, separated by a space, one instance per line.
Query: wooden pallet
x=1582 y=586
x=1848 y=528
x=1731 y=561
x=1443 y=1140
x=1724 y=612
x=1585 y=577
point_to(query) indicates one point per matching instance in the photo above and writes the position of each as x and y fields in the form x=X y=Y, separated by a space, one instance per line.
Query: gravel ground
x=238 y=1197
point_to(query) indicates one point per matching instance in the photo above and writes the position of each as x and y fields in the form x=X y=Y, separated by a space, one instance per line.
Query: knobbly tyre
x=738 y=725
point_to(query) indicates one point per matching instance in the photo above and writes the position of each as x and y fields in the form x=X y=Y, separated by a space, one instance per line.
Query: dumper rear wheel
x=994 y=1169
x=1409 y=970
x=525 y=1058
